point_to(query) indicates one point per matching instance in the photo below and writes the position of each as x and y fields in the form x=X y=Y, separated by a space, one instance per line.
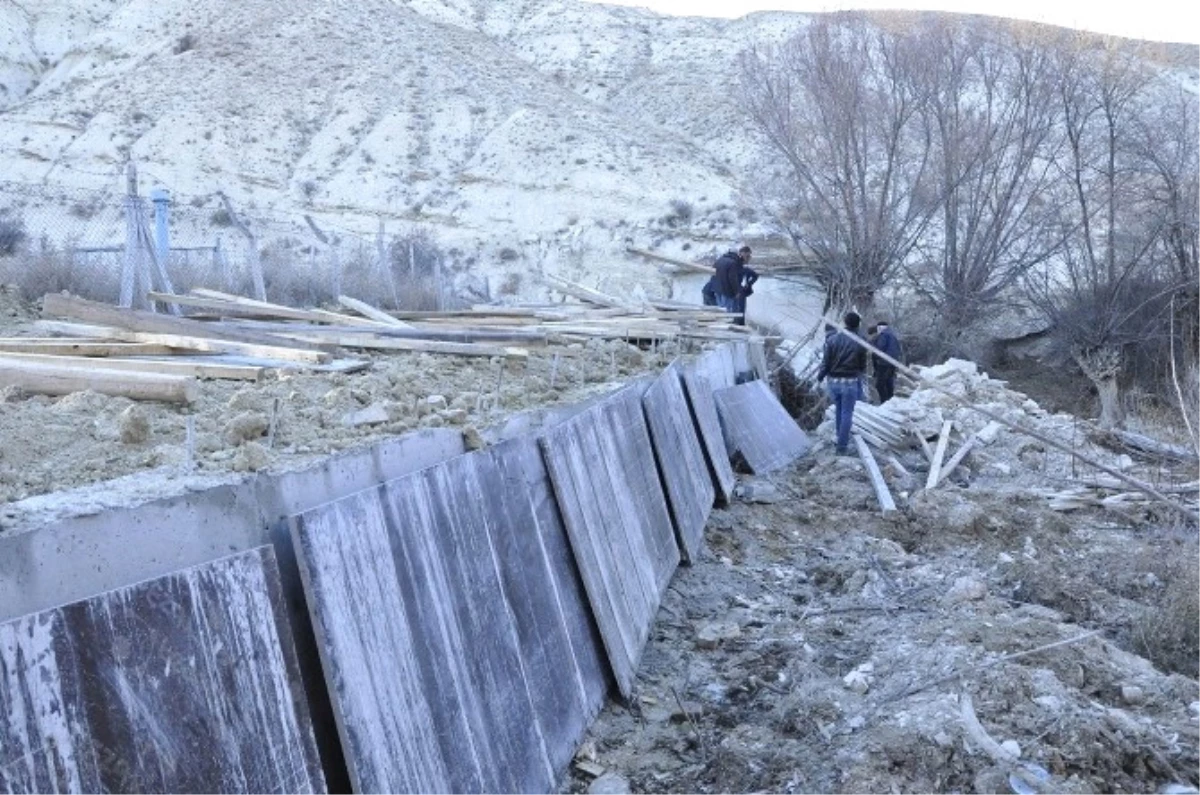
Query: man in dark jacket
x=749 y=277
x=885 y=372
x=727 y=281
x=844 y=363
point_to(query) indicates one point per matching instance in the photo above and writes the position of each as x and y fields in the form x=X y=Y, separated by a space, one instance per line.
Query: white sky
x=1156 y=20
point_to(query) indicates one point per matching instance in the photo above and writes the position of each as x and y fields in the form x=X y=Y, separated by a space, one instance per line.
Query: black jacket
x=889 y=344
x=843 y=357
x=727 y=281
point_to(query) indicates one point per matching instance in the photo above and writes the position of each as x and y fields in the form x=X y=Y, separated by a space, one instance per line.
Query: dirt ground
x=820 y=646
x=53 y=444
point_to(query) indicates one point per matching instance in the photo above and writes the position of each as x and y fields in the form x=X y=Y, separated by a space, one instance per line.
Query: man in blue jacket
x=844 y=363
x=885 y=372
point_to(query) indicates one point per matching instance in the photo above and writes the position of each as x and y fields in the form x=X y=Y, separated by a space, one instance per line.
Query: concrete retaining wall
x=501 y=633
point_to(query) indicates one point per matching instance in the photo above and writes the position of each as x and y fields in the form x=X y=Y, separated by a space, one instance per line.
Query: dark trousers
x=709 y=295
x=739 y=306
x=885 y=383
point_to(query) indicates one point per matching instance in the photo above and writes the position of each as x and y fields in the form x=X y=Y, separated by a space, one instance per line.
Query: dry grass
x=1169 y=634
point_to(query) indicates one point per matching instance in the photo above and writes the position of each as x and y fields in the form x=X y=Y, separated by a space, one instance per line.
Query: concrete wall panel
x=184 y=683
x=681 y=462
x=758 y=430
x=602 y=468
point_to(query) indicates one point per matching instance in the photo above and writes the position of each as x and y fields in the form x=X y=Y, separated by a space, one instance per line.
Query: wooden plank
x=61 y=347
x=370 y=312
x=957 y=459
x=935 y=465
x=453 y=627
x=886 y=503
x=680 y=459
x=584 y=293
x=150 y=322
x=758 y=430
x=417 y=346
x=601 y=465
x=694 y=267
x=184 y=683
x=231 y=372
x=47 y=379
x=708 y=428
x=269 y=309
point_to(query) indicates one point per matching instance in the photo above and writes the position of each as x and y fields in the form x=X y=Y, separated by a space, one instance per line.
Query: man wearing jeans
x=844 y=363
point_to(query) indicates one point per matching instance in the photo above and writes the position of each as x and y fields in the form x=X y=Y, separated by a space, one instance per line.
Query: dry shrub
x=1169 y=633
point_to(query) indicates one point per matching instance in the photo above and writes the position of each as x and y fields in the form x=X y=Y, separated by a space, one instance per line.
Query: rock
x=692 y=709
x=759 y=492
x=245 y=426
x=375 y=414
x=710 y=635
x=12 y=394
x=1124 y=462
x=860 y=679
x=454 y=416
x=1051 y=704
x=609 y=784
x=1012 y=748
x=998 y=468
x=251 y=457
x=966 y=589
x=963 y=517
x=472 y=440
x=436 y=402
x=1132 y=694
x=134 y=425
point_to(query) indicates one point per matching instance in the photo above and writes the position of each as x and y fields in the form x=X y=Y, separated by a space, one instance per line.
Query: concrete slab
x=184 y=683
x=458 y=651
x=743 y=369
x=759 y=433
x=699 y=391
x=717 y=367
x=681 y=462
x=601 y=465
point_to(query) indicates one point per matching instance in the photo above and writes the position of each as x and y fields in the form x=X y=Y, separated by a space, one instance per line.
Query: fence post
x=130 y=266
x=162 y=234
x=385 y=265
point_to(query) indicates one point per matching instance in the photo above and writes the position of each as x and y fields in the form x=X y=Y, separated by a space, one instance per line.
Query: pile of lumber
x=159 y=356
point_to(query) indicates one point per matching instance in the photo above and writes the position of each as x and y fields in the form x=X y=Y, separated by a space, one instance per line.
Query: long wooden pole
x=48 y=379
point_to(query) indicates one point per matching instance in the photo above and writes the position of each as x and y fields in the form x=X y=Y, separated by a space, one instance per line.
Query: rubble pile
x=956 y=397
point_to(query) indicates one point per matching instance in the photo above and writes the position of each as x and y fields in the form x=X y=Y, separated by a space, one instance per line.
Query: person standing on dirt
x=885 y=372
x=844 y=363
x=727 y=281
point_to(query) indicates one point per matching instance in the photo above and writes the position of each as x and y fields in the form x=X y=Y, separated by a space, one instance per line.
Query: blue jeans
x=727 y=302
x=844 y=393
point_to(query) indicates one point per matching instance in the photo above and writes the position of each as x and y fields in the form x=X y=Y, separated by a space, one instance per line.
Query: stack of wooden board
x=158 y=356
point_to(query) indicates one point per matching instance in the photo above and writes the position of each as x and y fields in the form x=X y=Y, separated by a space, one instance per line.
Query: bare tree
x=1104 y=293
x=840 y=103
x=991 y=108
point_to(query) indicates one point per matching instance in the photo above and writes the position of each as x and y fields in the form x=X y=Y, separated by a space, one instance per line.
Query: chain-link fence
x=115 y=246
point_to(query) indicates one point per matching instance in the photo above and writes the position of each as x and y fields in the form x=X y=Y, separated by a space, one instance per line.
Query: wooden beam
x=149 y=322
x=690 y=266
x=882 y=493
x=935 y=466
x=420 y=346
x=230 y=372
x=61 y=347
x=45 y=379
x=584 y=293
x=370 y=312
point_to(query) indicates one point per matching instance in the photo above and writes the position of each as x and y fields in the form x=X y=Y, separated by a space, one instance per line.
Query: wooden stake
x=935 y=466
x=880 y=485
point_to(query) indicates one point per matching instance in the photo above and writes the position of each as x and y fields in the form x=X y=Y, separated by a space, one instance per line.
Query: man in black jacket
x=844 y=363
x=727 y=281
x=885 y=371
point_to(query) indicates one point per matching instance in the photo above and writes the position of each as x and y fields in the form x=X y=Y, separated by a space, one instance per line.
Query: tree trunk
x=1102 y=366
